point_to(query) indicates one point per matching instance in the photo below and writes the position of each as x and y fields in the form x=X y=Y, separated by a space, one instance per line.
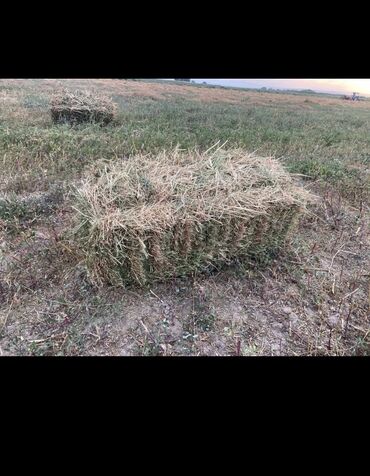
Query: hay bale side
x=81 y=106
x=151 y=218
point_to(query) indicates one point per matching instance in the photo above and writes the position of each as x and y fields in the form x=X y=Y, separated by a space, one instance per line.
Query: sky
x=338 y=86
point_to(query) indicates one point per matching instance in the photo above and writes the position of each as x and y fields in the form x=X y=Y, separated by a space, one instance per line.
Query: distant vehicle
x=354 y=97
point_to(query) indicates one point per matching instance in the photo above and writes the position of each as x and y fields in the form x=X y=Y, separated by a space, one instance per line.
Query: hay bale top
x=81 y=105
x=155 y=192
x=81 y=100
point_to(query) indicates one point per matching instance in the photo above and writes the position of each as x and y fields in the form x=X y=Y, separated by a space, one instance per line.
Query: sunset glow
x=336 y=86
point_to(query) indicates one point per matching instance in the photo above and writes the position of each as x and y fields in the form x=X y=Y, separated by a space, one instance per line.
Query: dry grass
x=169 y=90
x=81 y=106
x=177 y=212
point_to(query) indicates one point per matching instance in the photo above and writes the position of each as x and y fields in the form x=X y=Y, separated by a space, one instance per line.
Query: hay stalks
x=81 y=106
x=152 y=217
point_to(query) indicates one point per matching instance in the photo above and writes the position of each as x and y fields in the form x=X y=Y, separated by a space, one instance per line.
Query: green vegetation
x=323 y=142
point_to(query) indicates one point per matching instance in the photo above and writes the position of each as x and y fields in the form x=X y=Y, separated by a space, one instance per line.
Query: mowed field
x=313 y=299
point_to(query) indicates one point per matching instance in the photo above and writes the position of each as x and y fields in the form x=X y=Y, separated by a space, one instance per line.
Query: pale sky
x=361 y=86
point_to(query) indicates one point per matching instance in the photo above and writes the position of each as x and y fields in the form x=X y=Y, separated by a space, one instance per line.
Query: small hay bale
x=150 y=218
x=81 y=106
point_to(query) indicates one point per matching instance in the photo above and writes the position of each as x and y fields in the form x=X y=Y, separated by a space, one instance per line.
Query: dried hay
x=81 y=106
x=154 y=217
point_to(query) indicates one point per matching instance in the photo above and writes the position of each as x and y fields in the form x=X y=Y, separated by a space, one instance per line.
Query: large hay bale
x=153 y=217
x=81 y=106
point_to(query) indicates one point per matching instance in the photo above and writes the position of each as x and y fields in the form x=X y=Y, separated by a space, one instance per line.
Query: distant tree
x=187 y=80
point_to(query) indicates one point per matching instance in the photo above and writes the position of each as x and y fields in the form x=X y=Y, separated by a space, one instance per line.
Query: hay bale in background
x=155 y=217
x=81 y=106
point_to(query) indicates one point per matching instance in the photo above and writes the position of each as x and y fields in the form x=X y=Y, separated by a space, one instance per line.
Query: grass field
x=311 y=300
